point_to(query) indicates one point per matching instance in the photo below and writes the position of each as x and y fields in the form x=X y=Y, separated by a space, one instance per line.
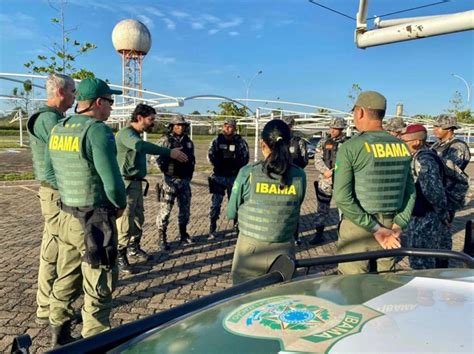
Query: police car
x=427 y=311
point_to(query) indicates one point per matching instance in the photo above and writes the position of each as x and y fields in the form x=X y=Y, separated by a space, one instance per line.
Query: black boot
x=318 y=237
x=61 y=335
x=184 y=236
x=162 y=239
x=122 y=262
x=212 y=229
x=134 y=250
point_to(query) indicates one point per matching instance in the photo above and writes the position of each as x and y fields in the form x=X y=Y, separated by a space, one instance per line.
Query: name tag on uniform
x=190 y=145
x=292 y=149
x=231 y=147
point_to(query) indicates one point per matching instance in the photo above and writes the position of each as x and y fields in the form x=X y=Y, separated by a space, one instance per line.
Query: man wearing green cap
x=132 y=151
x=60 y=90
x=83 y=154
x=373 y=186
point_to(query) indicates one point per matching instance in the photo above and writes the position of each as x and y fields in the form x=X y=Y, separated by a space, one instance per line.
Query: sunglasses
x=111 y=101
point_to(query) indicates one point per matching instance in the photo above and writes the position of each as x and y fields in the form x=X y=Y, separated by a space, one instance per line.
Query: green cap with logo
x=371 y=100
x=92 y=88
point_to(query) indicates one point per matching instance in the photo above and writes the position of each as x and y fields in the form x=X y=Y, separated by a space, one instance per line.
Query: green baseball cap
x=371 y=100
x=89 y=89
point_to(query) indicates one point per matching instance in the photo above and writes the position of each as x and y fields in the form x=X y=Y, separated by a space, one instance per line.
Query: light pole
x=248 y=84
x=468 y=87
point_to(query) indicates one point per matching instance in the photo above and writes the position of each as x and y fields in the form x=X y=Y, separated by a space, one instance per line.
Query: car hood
x=425 y=311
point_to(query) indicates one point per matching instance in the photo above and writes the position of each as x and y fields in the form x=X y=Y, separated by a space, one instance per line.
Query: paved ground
x=186 y=273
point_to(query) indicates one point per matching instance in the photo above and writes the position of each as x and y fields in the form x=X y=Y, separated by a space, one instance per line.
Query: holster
x=320 y=195
x=215 y=187
x=99 y=228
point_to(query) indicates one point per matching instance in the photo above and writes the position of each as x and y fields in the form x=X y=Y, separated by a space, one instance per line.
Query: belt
x=73 y=210
x=47 y=185
x=138 y=179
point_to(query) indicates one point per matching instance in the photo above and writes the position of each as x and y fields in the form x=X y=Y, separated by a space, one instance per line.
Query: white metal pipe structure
x=379 y=23
x=20 y=117
x=257 y=118
x=415 y=29
x=468 y=87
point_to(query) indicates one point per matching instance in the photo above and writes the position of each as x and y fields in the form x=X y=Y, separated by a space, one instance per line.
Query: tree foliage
x=229 y=109
x=353 y=93
x=63 y=54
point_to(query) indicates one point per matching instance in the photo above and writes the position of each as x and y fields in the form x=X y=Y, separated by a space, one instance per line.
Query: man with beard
x=131 y=156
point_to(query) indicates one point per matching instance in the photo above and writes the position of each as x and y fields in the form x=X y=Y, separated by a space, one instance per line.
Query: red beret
x=414 y=128
x=414 y=131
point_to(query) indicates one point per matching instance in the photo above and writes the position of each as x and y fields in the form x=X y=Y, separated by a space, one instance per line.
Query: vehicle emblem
x=301 y=323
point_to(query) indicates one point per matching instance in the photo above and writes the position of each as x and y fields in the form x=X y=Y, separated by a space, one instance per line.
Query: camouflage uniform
x=395 y=126
x=426 y=228
x=324 y=185
x=175 y=184
x=227 y=157
x=453 y=150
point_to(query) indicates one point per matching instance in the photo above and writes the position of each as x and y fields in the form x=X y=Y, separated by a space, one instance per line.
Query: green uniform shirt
x=100 y=150
x=132 y=151
x=241 y=187
x=372 y=175
x=42 y=127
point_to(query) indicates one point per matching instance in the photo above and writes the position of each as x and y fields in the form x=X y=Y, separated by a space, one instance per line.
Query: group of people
x=93 y=183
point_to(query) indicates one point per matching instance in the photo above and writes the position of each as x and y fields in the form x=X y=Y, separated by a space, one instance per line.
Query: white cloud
x=146 y=21
x=169 y=23
x=154 y=11
x=213 y=31
x=163 y=59
x=210 y=18
x=197 y=25
x=18 y=26
x=285 y=22
x=234 y=33
x=258 y=25
x=233 y=23
x=179 y=14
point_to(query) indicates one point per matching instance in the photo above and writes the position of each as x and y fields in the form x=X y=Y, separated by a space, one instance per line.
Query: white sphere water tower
x=132 y=40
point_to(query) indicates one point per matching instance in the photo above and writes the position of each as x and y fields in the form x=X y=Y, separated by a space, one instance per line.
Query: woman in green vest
x=266 y=198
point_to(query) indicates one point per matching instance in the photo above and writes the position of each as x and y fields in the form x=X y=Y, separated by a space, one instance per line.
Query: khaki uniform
x=130 y=224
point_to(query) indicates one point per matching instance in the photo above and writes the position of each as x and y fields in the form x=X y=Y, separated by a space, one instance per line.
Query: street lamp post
x=468 y=87
x=248 y=85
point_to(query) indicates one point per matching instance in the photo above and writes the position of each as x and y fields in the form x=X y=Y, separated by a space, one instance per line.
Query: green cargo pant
x=97 y=283
x=130 y=224
x=49 y=200
x=354 y=239
x=253 y=258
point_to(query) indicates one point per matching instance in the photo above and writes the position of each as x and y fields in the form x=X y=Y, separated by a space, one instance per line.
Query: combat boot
x=135 y=251
x=122 y=262
x=162 y=240
x=318 y=237
x=61 y=335
x=212 y=229
x=184 y=236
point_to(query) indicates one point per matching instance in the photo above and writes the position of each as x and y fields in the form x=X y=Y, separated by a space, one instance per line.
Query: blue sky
x=306 y=53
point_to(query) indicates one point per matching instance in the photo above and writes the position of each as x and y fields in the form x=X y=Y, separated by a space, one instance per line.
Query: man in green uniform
x=60 y=90
x=131 y=156
x=373 y=186
x=83 y=154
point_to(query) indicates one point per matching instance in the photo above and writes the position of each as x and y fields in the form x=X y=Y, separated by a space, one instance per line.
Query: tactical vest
x=422 y=205
x=295 y=151
x=175 y=168
x=227 y=162
x=270 y=214
x=38 y=146
x=330 y=150
x=440 y=149
x=380 y=186
x=79 y=183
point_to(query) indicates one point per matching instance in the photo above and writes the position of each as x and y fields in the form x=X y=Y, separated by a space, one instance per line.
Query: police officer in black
x=324 y=162
x=176 y=181
x=298 y=149
x=228 y=152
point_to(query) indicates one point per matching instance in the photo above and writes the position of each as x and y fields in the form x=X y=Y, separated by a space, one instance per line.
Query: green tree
x=196 y=113
x=465 y=116
x=23 y=97
x=63 y=53
x=456 y=103
x=353 y=93
x=231 y=109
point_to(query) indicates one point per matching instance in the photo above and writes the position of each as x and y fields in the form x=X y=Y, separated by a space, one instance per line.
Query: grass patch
x=13 y=144
x=16 y=176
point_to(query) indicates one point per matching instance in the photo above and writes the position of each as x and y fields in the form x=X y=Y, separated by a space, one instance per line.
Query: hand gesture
x=177 y=154
x=387 y=238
